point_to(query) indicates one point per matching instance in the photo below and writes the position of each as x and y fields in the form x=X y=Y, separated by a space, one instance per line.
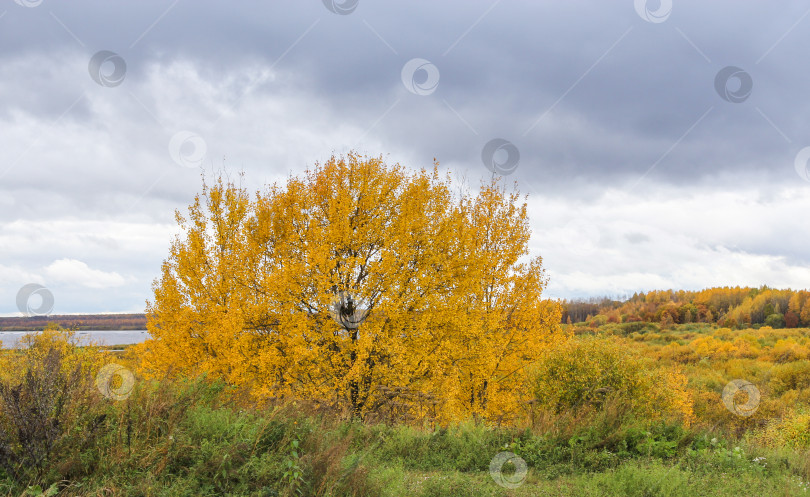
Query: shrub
x=775 y=320
x=787 y=350
x=598 y=320
x=45 y=408
x=639 y=327
x=584 y=372
x=790 y=376
x=792 y=430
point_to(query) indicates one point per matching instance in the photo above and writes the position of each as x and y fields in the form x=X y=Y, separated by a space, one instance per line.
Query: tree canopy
x=356 y=280
x=734 y=307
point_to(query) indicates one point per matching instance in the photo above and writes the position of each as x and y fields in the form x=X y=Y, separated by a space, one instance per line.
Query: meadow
x=60 y=434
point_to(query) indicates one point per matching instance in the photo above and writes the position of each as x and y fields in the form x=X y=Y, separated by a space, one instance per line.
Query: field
x=198 y=436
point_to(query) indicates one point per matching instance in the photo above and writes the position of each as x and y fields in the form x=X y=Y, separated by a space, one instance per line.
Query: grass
x=182 y=439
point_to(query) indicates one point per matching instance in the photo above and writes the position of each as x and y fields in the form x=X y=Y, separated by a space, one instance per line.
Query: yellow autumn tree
x=355 y=279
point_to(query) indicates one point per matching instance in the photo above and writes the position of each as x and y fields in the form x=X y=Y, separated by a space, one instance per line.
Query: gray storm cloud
x=110 y=112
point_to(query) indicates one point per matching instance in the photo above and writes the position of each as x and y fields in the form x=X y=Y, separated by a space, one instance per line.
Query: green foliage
x=575 y=374
x=36 y=491
x=639 y=327
x=634 y=480
x=463 y=447
x=293 y=476
x=601 y=445
x=775 y=320
x=211 y=449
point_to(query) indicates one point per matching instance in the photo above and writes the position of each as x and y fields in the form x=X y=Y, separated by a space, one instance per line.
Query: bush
x=775 y=320
x=598 y=320
x=791 y=431
x=584 y=372
x=46 y=408
x=639 y=327
x=790 y=376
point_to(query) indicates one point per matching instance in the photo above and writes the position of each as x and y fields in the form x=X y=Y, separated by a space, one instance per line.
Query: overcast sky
x=661 y=145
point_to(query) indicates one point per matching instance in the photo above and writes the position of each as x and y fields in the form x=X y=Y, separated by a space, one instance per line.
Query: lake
x=101 y=337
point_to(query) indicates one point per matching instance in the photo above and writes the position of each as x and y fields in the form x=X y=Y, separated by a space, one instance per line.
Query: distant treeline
x=84 y=322
x=731 y=307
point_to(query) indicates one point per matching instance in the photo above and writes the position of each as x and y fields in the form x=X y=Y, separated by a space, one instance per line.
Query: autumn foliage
x=733 y=307
x=448 y=304
x=582 y=375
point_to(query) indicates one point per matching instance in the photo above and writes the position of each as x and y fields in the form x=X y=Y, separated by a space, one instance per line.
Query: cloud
x=78 y=273
x=640 y=173
x=667 y=237
x=114 y=247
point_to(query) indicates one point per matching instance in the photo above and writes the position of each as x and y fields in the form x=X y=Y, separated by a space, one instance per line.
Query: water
x=101 y=337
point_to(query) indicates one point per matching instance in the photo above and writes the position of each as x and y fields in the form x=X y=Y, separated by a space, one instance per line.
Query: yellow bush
x=790 y=376
x=35 y=346
x=723 y=333
x=746 y=346
x=786 y=350
x=792 y=430
x=678 y=353
x=710 y=347
x=582 y=372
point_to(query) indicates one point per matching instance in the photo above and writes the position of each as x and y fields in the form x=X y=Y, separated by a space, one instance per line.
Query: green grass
x=181 y=439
